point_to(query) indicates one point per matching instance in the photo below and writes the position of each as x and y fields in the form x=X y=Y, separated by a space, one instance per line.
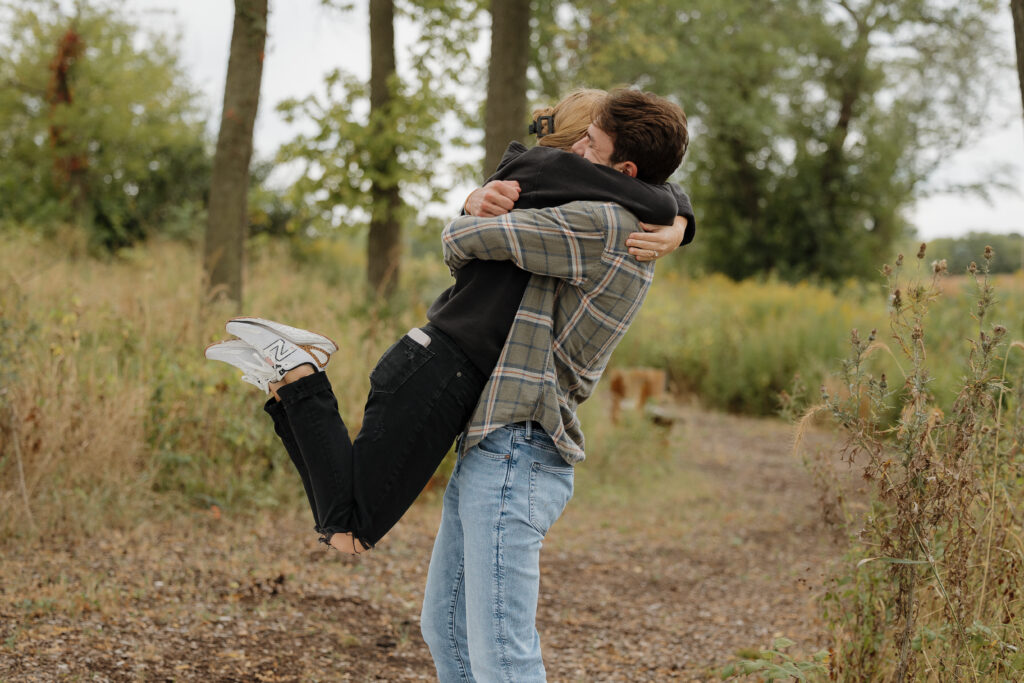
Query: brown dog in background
x=633 y=387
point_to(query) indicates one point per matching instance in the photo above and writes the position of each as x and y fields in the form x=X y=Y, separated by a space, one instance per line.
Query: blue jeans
x=480 y=603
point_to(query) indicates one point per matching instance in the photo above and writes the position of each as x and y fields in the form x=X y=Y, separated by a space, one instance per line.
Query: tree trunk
x=505 y=118
x=1017 y=9
x=383 y=254
x=229 y=184
x=851 y=85
x=69 y=165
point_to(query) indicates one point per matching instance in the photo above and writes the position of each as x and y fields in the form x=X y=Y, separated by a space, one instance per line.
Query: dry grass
x=109 y=413
x=105 y=397
x=932 y=588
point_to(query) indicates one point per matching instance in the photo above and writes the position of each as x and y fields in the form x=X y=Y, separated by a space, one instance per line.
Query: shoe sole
x=229 y=357
x=233 y=342
x=248 y=375
x=313 y=344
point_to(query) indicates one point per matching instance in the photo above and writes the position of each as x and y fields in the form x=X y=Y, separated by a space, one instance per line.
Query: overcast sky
x=306 y=40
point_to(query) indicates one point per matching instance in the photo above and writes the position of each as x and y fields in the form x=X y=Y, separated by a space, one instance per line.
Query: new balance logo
x=279 y=350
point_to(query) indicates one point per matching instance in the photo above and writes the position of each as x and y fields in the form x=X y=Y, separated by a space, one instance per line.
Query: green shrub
x=738 y=345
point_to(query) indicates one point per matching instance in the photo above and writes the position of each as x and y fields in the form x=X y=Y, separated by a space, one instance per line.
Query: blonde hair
x=572 y=117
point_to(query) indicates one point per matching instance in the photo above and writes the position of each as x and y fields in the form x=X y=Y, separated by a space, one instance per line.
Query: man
x=515 y=469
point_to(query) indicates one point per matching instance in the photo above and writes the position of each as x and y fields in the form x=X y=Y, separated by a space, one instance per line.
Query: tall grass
x=108 y=409
x=931 y=589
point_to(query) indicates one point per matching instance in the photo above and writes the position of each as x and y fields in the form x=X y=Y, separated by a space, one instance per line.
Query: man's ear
x=627 y=167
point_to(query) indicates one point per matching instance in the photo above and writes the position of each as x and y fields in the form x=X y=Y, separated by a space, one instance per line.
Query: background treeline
x=816 y=124
x=959 y=252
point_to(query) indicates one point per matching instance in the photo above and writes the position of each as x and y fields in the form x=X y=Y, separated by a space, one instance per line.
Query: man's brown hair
x=646 y=129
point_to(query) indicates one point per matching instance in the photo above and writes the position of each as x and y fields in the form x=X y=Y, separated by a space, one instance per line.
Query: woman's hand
x=493 y=199
x=656 y=240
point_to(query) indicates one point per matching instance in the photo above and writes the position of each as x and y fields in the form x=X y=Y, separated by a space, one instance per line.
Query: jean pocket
x=398 y=364
x=495 y=446
x=550 y=491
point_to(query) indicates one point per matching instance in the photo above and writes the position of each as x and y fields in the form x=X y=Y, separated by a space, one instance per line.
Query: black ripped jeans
x=420 y=399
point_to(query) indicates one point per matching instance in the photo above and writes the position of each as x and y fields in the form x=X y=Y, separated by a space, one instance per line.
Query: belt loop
x=529 y=430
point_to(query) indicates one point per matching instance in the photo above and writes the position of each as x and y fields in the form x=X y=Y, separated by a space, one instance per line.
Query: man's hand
x=656 y=240
x=493 y=199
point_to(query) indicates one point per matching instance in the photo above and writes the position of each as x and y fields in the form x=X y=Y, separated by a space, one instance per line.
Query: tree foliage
x=960 y=252
x=336 y=159
x=106 y=134
x=815 y=122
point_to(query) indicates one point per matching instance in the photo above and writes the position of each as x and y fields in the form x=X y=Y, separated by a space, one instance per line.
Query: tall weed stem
x=933 y=566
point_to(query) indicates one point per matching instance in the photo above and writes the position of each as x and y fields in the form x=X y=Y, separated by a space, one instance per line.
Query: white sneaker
x=238 y=353
x=283 y=347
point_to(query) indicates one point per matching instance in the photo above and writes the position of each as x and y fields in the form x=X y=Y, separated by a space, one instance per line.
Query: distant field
x=1010 y=285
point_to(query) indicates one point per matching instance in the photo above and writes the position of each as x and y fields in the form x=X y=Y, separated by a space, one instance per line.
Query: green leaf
x=782 y=643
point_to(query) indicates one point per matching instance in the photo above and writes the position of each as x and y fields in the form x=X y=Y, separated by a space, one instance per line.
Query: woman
x=425 y=387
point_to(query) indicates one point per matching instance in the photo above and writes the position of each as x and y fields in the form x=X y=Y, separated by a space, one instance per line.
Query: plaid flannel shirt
x=585 y=291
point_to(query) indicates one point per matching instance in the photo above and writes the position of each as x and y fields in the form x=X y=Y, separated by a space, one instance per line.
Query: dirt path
x=664 y=578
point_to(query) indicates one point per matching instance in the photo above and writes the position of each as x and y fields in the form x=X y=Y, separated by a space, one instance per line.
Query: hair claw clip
x=537 y=126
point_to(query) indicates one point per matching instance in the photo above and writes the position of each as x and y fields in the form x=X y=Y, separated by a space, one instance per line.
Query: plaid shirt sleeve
x=559 y=242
